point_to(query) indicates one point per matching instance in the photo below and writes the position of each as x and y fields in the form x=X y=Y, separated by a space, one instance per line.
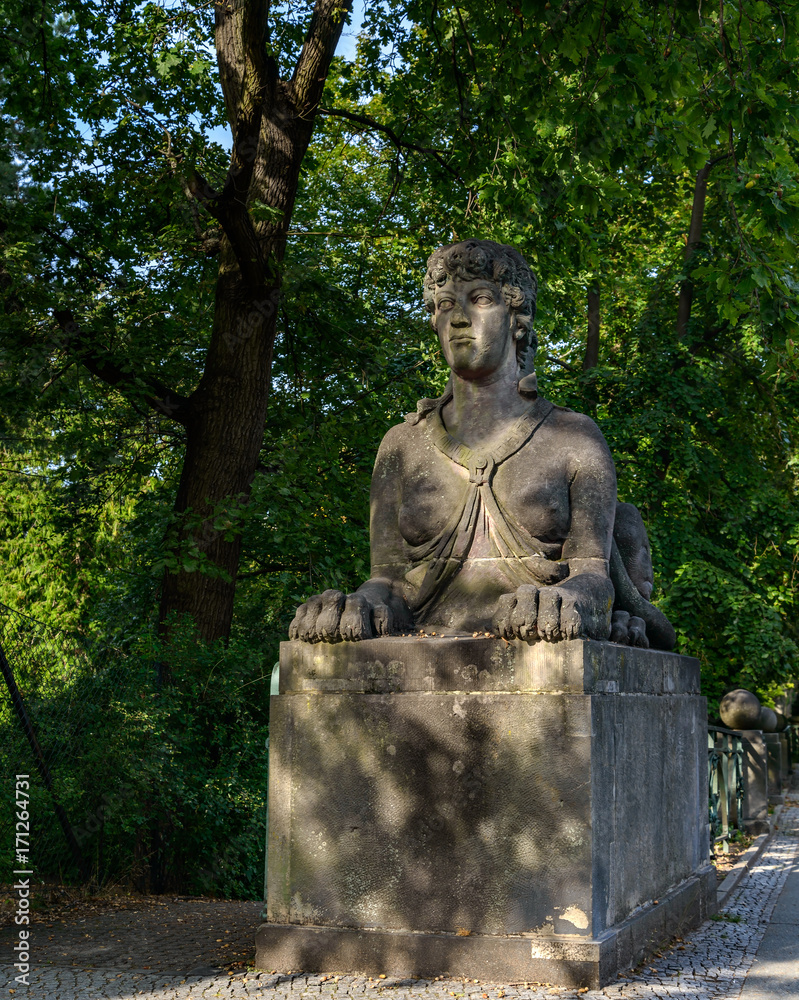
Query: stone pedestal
x=755 y=810
x=776 y=795
x=785 y=760
x=503 y=811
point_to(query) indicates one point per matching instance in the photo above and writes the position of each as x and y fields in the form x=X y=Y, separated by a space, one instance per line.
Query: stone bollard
x=755 y=809
x=740 y=710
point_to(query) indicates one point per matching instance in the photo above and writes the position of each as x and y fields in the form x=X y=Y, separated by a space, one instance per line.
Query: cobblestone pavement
x=710 y=964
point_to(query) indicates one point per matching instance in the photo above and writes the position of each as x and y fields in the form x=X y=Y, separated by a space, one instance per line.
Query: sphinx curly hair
x=498 y=263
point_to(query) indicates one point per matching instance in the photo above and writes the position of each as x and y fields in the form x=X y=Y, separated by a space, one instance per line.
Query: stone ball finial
x=782 y=722
x=740 y=709
x=768 y=719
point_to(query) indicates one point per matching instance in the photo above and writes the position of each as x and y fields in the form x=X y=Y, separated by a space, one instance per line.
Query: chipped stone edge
x=564 y=960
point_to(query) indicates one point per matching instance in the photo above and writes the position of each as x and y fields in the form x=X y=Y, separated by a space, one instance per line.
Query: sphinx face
x=474 y=326
x=633 y=541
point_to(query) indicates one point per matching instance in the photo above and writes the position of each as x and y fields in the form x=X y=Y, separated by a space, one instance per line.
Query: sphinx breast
x=429 y=501
x=536 y=496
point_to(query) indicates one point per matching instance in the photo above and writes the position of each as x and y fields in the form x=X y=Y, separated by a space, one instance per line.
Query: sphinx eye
x=443 y=305
x=483 y=299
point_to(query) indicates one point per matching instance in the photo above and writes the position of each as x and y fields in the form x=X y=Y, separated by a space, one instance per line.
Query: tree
x=271 y=118
x=576 y=132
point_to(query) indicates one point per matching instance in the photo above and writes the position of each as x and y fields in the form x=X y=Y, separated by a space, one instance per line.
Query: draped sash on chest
x=481 y=512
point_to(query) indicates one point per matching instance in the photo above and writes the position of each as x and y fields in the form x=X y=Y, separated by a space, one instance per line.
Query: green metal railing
x=725 y=783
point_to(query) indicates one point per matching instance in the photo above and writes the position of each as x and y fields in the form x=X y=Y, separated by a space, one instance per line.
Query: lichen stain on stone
x=572 y=834
x=468 y=672
x=503 y=661
x=574 y=915
x=303 y=913
x=548 y=927
x=374 y=669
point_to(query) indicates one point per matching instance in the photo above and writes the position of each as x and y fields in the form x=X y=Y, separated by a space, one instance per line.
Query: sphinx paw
x=628 y=630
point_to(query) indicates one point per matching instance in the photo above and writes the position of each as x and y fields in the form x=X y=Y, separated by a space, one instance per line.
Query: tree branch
x=248 y=77
x=258 y=83
x=269 y=568
x=240 y=35
x=233 y=217
x=376 y=126
x=228 y=206
x=162 y=399
x=563 y=364
x=313 y=64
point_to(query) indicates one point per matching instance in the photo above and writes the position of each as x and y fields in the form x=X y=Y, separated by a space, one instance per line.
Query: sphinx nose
x=459 y=318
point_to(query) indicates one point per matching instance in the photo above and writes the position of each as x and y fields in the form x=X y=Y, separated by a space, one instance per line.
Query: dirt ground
x=724 y=863
x=126 y=930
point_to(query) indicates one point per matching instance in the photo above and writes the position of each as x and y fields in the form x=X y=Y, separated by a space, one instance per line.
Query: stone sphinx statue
x=494 y=510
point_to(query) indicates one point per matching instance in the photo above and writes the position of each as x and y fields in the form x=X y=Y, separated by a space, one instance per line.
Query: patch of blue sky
x=220 y=134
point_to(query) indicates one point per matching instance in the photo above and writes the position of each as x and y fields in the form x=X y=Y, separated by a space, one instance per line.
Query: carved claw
x=502 y=617
x=524 y=615
x=297 y=622
x=628 y=630
x=383 y=619
x=637 y=630
x=307 y=630
x=619 y=627
x=549 y=602
x=355 y=623
x=327 y=624
x=572 y=625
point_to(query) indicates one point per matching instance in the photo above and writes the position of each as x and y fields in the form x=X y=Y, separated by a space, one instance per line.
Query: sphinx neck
x=482 y=410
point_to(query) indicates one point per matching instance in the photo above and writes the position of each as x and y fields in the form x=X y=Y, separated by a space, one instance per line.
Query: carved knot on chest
x=481 y=469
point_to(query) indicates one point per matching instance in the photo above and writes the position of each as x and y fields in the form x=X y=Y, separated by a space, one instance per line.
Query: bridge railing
x=725 y=784
x=747 y=776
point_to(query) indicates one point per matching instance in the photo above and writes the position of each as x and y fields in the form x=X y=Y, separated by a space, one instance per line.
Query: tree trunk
x=272 y=121
x=224 y=434
x=694 y=237
x=693 y=241
x=591 y=356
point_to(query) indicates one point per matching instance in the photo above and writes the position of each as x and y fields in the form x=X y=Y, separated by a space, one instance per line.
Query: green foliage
x=166 y=778
x=573 y=131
